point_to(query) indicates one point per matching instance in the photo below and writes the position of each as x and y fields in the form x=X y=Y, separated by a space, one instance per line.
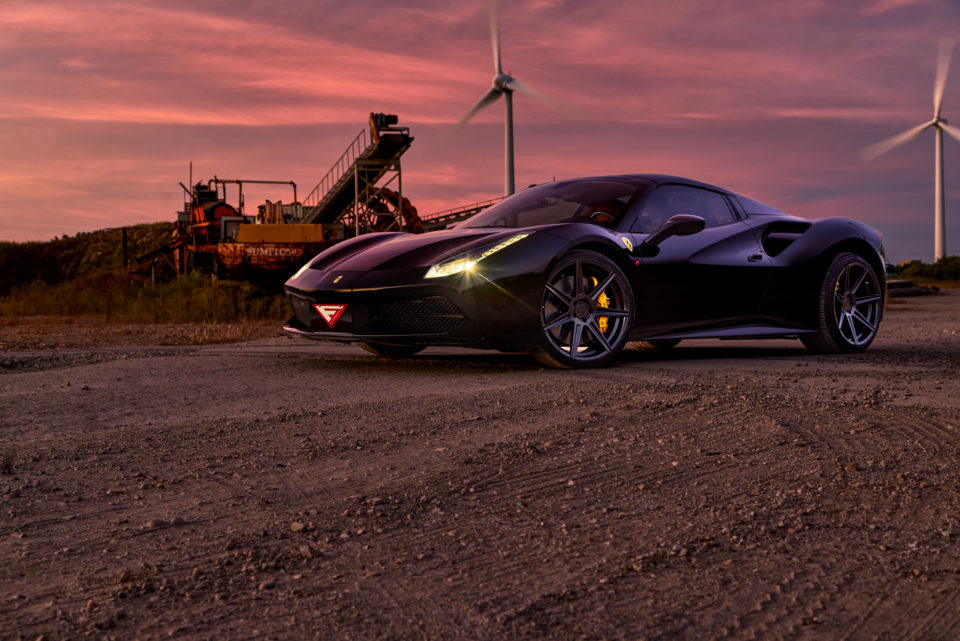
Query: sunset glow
x=104 y=105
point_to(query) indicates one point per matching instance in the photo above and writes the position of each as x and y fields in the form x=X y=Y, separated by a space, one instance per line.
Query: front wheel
x=849 y=308
x=392 y=351
x=586 y=312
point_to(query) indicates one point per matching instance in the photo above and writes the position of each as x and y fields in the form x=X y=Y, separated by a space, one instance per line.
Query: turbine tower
x=503 y=85
x=939 y=123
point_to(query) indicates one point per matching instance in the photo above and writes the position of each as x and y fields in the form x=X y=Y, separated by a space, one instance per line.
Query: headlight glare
x=469 y=262
x=451 y=267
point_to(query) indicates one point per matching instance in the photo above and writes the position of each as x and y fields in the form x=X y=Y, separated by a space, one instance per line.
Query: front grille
x=430 y=315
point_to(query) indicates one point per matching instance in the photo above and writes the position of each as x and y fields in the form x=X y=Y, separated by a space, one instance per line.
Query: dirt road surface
x=284 y=489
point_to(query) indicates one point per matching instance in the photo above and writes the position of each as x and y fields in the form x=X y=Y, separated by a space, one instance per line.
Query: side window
x=714 y=208
x=670 y=200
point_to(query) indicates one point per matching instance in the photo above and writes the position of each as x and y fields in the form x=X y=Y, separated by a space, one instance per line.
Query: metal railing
x=337 y=171
x=456 y=214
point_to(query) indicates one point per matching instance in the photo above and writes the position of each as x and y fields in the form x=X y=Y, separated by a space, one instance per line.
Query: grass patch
x=943 y=273
x=935 y=282
x=121 y=298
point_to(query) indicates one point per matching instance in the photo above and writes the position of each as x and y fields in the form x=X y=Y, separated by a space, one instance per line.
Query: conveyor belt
x=360 y=166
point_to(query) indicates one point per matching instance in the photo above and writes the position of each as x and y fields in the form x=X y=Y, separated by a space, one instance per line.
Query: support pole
x=508 y=187
x=400 y=220
x=939 y=233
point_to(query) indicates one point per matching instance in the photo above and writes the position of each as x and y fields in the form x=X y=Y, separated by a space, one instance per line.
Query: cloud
x=884 y=6
x=105 y=103
x=77 y=63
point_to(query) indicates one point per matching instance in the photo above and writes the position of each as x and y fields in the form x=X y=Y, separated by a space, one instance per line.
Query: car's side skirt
x=751 y=331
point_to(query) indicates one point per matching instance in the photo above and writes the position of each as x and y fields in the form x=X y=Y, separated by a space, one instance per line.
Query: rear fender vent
x=779 y=236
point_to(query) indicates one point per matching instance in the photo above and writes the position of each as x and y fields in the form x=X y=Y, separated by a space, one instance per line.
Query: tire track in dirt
x=549 y=475
x=790 y=606
x=924 y=431
x=832 y=453
x=911 y=612
x=429 y=610
x=550 y=480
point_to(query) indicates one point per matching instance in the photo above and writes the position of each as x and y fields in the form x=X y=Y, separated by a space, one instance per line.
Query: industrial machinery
x=361 y=193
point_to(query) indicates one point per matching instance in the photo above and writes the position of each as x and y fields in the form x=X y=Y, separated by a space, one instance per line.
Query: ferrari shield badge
x=330 y=313
x=627 y=243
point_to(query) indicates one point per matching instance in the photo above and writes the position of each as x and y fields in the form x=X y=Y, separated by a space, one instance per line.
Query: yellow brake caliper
x=603 y=302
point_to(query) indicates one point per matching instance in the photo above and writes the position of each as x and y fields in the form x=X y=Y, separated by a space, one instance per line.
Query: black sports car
x=572 y=270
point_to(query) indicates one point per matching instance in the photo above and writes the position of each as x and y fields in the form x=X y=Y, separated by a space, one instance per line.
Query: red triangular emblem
x=330 y=313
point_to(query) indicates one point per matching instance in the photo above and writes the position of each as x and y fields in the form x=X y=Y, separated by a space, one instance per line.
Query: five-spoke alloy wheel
x=850 y=307
x=586 y=312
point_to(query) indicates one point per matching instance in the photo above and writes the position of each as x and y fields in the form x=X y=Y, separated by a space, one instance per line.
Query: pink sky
x=104 y=104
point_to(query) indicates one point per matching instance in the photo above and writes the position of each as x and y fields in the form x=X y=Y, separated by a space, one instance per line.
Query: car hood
x=414 y=250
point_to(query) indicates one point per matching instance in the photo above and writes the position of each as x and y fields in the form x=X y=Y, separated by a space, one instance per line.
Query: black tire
x=849 y=308
x=656 y=343
x=586 y=312
x=392 y=351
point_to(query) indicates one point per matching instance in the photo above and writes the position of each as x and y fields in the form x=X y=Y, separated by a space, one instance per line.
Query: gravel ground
x=279 y=488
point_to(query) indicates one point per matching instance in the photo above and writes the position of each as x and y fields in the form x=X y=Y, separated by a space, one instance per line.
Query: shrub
x=945 y=269
x=122 y=298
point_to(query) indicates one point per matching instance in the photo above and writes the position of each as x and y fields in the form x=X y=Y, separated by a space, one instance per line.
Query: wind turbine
x=939 y=123
x=503 y=85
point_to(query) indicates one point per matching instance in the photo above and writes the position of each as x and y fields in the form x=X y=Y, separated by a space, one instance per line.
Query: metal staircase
x=356 y=173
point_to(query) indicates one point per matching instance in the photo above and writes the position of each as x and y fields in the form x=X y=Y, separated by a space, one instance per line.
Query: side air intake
x=779 y=236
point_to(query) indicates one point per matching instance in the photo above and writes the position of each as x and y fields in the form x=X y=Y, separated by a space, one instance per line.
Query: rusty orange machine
x=214 y=236
x=361 y=193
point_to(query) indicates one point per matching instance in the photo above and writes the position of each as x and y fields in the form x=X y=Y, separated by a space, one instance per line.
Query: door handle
x=753 y=258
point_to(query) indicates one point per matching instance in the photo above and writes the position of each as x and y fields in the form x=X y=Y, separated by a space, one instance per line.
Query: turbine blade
x=943 y=68
x=953 y=131
x=550 y=101
x=487 y=99
x=495 y=36
x=878 y=149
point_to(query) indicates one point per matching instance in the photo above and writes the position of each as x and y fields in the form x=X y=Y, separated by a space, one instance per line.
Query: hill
x=67 y=258
x=84 y=276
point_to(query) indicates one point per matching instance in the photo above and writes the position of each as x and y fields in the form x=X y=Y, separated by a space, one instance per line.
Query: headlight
x=468 y=262
x=300 y=271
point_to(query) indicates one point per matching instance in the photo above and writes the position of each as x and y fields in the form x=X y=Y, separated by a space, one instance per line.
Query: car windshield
x=601 y=201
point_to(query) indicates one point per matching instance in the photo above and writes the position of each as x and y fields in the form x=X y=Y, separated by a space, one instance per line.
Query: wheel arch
x=860 y=247
x=606 y=249
x=800 y=267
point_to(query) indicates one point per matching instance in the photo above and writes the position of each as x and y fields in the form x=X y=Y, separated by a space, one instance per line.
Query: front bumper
x=410 y=315
x=469 y=311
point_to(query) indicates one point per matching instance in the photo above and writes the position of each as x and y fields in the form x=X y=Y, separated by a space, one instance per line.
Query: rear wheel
x=586 y=312
x=849 y=309
x=392 y=351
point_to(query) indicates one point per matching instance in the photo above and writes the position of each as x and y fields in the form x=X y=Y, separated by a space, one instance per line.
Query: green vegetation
x=944 y=273
x=120 y=298
x=66 y=258
x=83 y=276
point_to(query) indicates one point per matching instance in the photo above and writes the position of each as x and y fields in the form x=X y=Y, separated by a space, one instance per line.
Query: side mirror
x=679 y=225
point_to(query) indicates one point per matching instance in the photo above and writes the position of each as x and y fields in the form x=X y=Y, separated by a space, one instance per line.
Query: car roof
x=662 y=179
x=745 y=202
x=657 y=179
